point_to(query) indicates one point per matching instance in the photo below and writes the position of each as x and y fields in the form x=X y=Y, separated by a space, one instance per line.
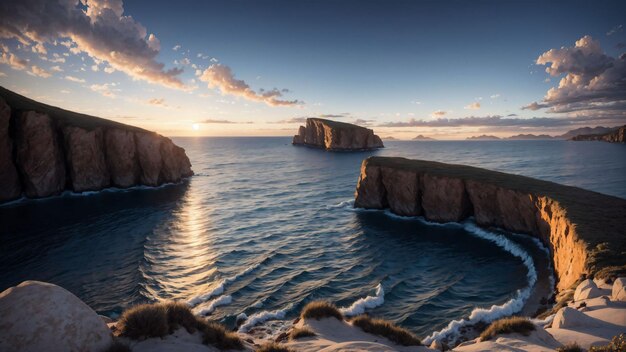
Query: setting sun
x=195 y=126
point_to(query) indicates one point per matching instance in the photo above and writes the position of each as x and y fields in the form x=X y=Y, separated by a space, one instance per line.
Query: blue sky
x=383 y=64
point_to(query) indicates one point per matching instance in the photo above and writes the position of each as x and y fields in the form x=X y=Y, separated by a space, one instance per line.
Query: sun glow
x=195 y=126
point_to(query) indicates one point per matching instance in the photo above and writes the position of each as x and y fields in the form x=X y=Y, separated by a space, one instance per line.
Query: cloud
x=217 y=121
x=98 y=28
x=176 y=47
x=438 y=113
x=473 y=106
x=105 y=89
x=39 y=72
x=56 y=69
x=184 y=61
x=363 y=122
x=496 y=121
x=614 y=30
x=333 y=116
x=495 y=96
x=13 y=61
x=593 y=83
x=157 y=102
x=74 y=79
x=293 y=120
x=221 y=77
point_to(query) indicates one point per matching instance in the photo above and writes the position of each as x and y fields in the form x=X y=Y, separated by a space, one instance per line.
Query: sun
x=195 y=126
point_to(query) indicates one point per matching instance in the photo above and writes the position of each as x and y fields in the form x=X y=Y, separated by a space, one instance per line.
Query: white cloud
x=105 y=89
x=438 y=113
x=614 y=30
x=221 y=77
x=473 y=106
x=74 y=79
x=176 y=47
x=495 y=96
x=13 y=61
x=39 y=72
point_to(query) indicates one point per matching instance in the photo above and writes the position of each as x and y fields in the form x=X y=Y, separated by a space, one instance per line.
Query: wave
x=220 y=301
x=369 y=302
x=221 y=286
x=261 y=317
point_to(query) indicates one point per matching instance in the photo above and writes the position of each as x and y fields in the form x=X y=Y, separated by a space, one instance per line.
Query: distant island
x=483 y=137
x=615 y=136
x=423 y=138
x=390 y=138
x=336 y=136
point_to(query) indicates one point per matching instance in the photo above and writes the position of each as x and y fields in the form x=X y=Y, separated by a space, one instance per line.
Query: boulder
x=618 y=293
x=37 y=316
x=121 y=157
x=10 y=187
x=568 y=318
x=86 y=162
x=587 y=289
x=39 y=155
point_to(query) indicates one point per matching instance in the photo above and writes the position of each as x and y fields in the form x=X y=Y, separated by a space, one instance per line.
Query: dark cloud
x=334 y=116
x=96 y=27
x=293 y=120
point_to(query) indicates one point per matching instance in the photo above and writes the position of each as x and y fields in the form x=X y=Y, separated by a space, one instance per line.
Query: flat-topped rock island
x=336 y=136
x=46 y=150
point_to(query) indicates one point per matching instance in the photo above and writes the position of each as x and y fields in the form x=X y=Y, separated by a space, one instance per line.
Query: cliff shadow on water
x=67 y=241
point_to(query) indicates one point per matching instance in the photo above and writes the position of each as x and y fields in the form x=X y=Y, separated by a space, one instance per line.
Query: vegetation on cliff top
x=320 y=309
x=387 y=330
x=509 y=325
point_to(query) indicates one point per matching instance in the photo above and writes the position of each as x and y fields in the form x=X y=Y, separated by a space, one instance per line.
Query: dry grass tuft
x=144 y=321
x=180 y=315
x=320 y=309
x=617 y=344
x=274 y=347
x=570 y=347
x=300 y=333
x=506 y=326
x=386 y=329
x=216 y=335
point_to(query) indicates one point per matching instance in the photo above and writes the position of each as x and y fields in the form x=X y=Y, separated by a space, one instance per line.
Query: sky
x=444 y=69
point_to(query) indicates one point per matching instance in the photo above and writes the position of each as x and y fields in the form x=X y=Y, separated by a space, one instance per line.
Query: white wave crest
x=219 y=301
x=361 y=304
x=263 y=316
x=219 y=288
x=344 y=204
x=510 y=307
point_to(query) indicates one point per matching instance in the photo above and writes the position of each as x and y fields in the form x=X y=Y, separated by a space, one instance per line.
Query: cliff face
x=585 y=231
x=336 y=136
x=46 y=150
x=616 y=136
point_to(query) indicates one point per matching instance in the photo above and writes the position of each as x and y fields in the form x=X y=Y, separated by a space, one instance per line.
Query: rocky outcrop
x=616 y=136
x=46 y=150
x=585 y=231
x=336 y=136
x=37 y=316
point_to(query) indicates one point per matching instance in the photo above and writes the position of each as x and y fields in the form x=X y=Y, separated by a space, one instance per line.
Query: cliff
x=616 y=136
x=45 y=150
x=585 y=231
x=336 y=136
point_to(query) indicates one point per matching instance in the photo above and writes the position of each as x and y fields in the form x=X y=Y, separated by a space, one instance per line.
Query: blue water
x=274 y=221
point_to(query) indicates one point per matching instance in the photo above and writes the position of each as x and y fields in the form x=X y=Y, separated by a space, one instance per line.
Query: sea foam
x=260 y=317
x=369 y=302
x=220 y=287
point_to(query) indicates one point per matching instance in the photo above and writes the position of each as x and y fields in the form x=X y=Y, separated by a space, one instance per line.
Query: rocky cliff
x=45 y=150
x=336 y=136
x=585 y=231
x=616 y=136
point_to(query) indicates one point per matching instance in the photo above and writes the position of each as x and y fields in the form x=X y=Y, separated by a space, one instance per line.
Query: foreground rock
x=37 y=316
x=618 y=135
x=336 y=136
x=585 y=231
x=45 y=150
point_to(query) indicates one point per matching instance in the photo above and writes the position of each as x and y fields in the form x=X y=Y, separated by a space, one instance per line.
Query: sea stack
x=45 y=150
x=584 y=230
x=336 y=136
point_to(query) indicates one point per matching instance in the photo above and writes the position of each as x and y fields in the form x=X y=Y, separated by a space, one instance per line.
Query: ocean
x=265 y=227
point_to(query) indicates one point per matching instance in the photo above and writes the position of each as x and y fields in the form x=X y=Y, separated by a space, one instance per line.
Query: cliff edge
x=45 y=150
x=616 y=136
x=336 y=136
x=585 y=231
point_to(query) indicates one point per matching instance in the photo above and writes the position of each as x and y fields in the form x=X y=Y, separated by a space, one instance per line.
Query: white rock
x=37 y=316
x=619 y=289
x=587 y=289
x=567 y=318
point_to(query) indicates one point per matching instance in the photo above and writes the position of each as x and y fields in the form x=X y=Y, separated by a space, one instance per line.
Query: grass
x=320 y=309
x=160 y=319
x=617 y=344
x=274 y=347
x=300 y=333
x=386 y=329
x=570 y=347
x=507 y=326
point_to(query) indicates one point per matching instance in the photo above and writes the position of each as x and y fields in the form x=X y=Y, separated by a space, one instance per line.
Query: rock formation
x=336 y=136
x=584 y=230
x=616 y=136
x=37 y=316
x=45 y=150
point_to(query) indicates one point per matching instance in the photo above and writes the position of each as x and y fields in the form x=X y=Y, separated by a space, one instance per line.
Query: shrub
x=617 y=344
x=273 y=347
x=507 y=326
x=180 y=315
x=570 y=347
x=386 y=329
x=320 y=309
x=216 y=335
x=300 y=333
x=143 y=321
x=117 y=346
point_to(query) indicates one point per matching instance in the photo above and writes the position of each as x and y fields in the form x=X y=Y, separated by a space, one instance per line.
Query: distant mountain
x=521 y=137
x=586 y=131
x=617 y=135
x=390 y=138
x=483 y=137
x=423 y=138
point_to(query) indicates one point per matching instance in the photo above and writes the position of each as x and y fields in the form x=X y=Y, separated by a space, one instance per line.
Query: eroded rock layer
x=336 y=136
x=45 y=150
x=585 y=231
